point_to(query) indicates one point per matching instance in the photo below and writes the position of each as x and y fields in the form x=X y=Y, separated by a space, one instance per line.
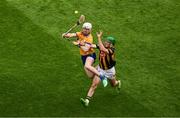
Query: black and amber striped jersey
x=107 y=60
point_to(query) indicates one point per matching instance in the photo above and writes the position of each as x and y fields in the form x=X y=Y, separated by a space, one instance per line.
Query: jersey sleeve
x=78 y=35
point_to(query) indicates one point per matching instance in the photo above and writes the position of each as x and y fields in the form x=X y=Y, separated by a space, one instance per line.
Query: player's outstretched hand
x=99 y=34
x=76 y=43
x=65 y=35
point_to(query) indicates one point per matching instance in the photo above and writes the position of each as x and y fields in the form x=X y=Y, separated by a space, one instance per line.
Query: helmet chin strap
x=85 y=34
x=111 y=45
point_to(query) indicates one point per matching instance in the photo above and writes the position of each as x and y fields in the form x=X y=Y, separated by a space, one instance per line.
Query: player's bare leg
x=89 y=63
x=115 y=83
x=89 y=68
x=89 y=73
x=95 y=83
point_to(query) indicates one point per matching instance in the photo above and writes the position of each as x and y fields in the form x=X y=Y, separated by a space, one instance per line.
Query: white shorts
x=110 y=73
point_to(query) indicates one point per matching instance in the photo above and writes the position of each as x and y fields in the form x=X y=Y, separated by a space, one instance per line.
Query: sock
x=101 y=76
x=88 y=98
x=117 y=83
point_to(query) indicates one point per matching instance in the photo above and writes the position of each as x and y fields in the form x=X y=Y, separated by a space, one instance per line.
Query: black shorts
x=84 y=57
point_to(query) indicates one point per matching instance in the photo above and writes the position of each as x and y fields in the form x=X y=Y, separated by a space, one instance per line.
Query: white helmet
x=87 y=25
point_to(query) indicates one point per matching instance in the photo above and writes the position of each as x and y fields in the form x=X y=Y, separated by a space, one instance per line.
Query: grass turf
x=42 y=75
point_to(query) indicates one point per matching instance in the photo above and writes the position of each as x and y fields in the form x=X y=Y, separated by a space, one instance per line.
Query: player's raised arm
x=101 y=46
x=69 y=35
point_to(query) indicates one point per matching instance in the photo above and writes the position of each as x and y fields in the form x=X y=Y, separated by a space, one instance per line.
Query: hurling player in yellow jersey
x=88 y=56
x=106 y=67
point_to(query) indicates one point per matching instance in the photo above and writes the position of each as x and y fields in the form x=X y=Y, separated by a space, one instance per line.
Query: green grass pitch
x=42 y=74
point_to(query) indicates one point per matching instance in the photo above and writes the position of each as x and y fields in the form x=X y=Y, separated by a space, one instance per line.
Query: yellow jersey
x=87 y=39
